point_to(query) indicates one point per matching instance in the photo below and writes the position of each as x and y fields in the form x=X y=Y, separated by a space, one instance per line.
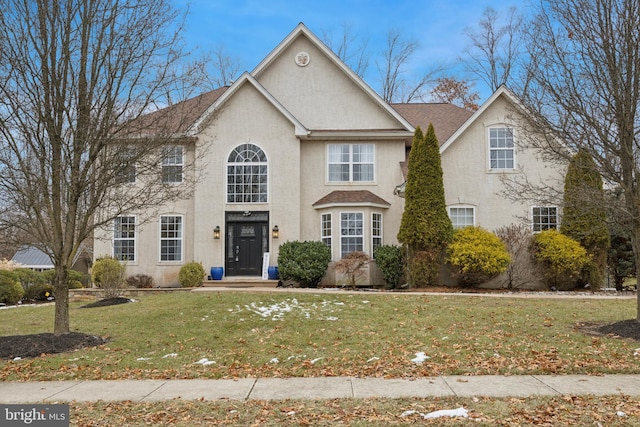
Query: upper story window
x=171 y=238
x=124 y=238
x=350 y=162
x=462 y=216
x=501 y=148
x=544 y=218
x=172 y=164
x=125 y=166
x=247 y=175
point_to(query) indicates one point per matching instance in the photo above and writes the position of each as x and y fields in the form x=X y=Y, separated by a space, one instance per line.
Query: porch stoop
x=240 y=282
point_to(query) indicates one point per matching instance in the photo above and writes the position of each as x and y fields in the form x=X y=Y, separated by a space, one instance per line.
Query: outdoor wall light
x=216 y=232
x=275 y=233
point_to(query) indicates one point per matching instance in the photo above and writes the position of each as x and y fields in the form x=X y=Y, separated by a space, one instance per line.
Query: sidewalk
x=317 y=388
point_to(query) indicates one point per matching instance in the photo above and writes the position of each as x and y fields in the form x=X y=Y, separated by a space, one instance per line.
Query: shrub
x=108 y=274
x=622 y=260
x=39 y=292
x=352 y=266
x=560 y=257
x=11 y=290
x=303 y=262
x=477 y=255
x=389 y=261
x=518 y=239
x=74 y=278
x=191 y=274
x=140 y=281
x=423 y=268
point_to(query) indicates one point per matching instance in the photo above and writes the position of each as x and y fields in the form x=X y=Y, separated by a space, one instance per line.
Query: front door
x=246 y=242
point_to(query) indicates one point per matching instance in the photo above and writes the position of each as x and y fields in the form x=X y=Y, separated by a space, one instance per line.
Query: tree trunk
x=61 y=294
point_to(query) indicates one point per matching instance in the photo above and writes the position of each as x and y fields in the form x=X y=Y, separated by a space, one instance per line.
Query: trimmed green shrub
x=140 y=281
x=477 y=255
x=390 y=262
x=423 y=268
x=74 y=278
x=622 y=260
x=303 y=262
x=39 y=292
x=560 y=257
x=108 y=274
x=28 y=277
x=191 y=274
x=11 y=291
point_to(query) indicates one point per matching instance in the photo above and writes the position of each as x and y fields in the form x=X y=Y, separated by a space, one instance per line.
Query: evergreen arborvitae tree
x=585 y=216
x=425 y=228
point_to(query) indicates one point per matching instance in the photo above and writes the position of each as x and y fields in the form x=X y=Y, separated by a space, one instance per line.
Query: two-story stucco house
x=302 y=149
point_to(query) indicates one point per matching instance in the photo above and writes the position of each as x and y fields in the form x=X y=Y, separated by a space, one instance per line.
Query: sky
x=248 y=30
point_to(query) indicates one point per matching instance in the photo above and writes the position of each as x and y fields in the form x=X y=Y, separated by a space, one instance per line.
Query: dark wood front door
x=246 y=242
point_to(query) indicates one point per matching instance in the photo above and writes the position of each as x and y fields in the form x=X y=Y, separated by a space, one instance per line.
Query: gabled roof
x=501 y=91
x=351 y=198
x=244 y=79
x=446 y=118
x=302 y=30
x=32 y=257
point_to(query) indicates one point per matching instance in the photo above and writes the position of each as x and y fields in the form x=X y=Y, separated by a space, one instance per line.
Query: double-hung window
x=171 y=238
x=350 y=162
x=124 y=238
x=351 y=232
x=501 y=148
x=462 y=216
x=172 y=164
x=125 y=166
x=376 y=232
x=545 y=218
x=325 y=229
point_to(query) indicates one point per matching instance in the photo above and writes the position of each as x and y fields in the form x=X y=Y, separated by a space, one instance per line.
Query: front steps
x=240 y=282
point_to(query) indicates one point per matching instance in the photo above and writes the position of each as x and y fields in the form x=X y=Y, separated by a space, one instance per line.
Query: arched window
x=247 y=175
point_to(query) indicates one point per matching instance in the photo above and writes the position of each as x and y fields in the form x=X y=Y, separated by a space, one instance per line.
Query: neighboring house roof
x=32 y=257
x=351 y=198
x=446 y=118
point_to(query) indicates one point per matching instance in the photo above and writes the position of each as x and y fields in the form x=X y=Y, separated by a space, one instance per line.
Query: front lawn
x=233 y=335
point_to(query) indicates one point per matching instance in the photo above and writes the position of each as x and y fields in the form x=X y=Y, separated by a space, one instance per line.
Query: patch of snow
x=315 y=360
x=636 y=352
x=331 y=318
x=291 y=413
x=170 y=355
x=460 y=412
x=420 y=357
x=204 y=362
x=621 y=414
x=142 y=359
x=373 y=359
x=17 y=358
x=274 y=360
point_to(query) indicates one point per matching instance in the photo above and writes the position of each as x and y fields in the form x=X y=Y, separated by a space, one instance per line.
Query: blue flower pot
x=272 y=272
x=217 y=273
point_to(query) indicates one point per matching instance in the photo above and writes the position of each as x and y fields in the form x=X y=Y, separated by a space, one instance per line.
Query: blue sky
x=249 y=29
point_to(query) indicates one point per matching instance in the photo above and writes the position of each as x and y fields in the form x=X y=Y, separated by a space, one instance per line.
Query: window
x=351 y=232
x=172 y=163
x=126 y=167
x=501 y=148
x=325 y=227
x=462 y=217
x=124 y=238
x=170 y=238
x=350 y=162
x=545 y=218
x=247 y=175
x=376 y=232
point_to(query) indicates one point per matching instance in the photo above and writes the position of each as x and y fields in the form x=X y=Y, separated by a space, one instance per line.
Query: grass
x=297 y=335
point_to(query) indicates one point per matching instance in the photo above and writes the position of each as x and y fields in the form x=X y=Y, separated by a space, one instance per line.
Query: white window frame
x=132 y=239
x=376 y=231
x=337 y=158
x=326 y=229
x=501 y=149
x=473 y=216
x=172 y=162
x=179 y=238
x=262 y=177
x=540 y=226
x=360 y=245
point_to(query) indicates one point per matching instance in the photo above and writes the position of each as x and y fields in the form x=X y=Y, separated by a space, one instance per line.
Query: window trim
x=473 y=208
x=361 y=236
x=134 y=239
x=350 y=163
x=512 y=149
x=326 y=224
x=533 y=217
x=380 y=229
x=162 y=239
x=266 y=174
x=168 y=161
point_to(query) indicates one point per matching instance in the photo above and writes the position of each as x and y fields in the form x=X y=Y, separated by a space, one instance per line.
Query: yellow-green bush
x=477 y=255
x=11 y=291
x=108 y=274
x=560 y=257
x=191 y=274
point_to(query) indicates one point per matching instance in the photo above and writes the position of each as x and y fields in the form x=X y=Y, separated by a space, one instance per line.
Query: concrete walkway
x=317 y=388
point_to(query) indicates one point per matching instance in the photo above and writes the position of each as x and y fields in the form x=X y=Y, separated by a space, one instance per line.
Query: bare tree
x=225 y=68
x=454 y=91
x=395 y=86
x=495 y=47
x=586 y=91
x=75 y=77
x=352 y=52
